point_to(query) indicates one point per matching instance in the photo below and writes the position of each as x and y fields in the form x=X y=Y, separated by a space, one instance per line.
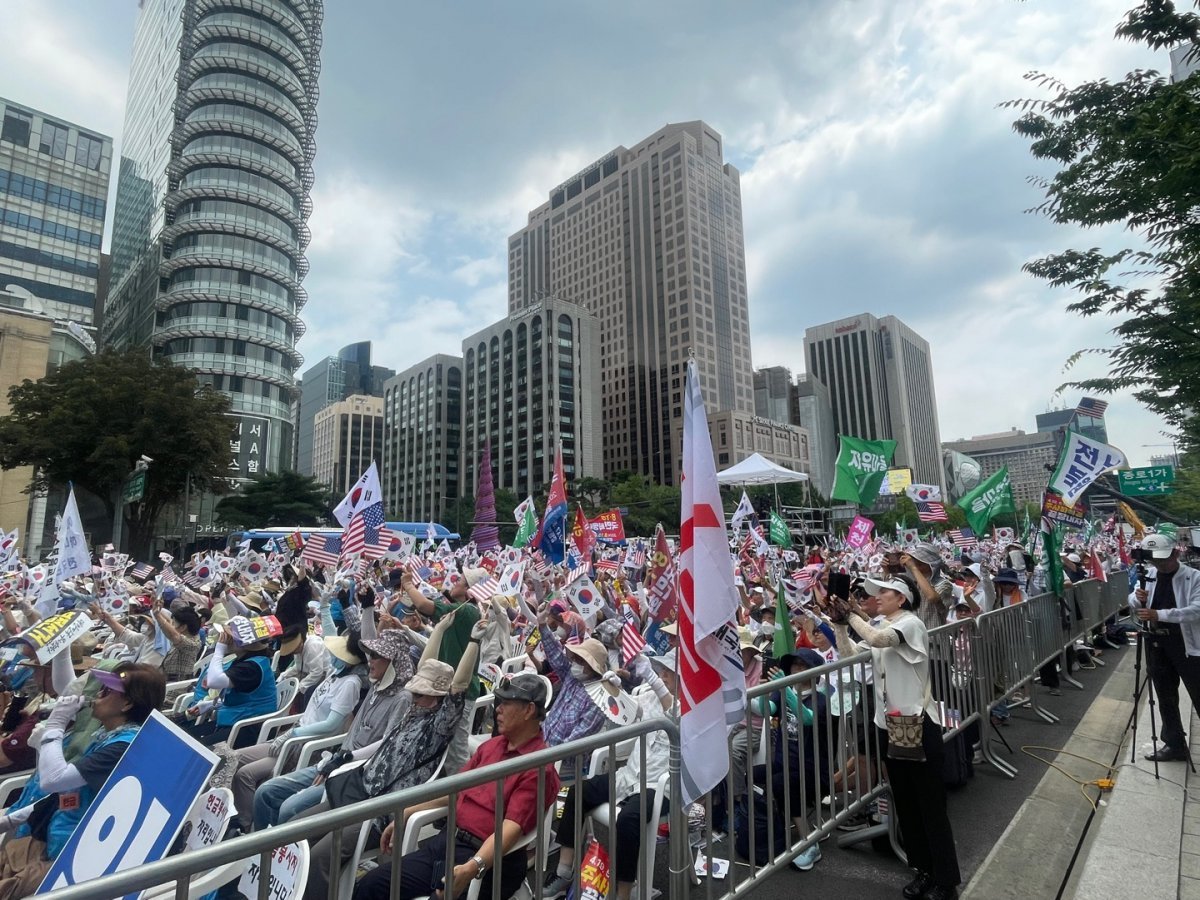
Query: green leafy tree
x=593 y=493
x=1129 y=154
x=461 y=513
x=1184 y=504
x=277 y=498
x=91 y=420
x=646 y=504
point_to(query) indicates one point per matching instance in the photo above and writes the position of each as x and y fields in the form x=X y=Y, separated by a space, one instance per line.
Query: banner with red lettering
x=608 y=526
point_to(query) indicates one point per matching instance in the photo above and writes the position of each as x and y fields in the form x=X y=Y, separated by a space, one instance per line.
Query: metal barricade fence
x=260 y=845
x=782 y=766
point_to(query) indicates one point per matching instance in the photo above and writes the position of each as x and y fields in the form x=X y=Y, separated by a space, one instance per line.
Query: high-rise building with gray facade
x=213 y=198
x=422 y=427
x=332 y=379
x=532 y=383
x=813 y=411
x=53 y=193
x=347 y=438
x=649 y=239
x=880 y=378
x=773 y=393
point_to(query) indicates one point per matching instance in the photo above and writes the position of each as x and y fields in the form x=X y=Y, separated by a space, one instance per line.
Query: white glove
x=612 y=678
x=277 y=744
x=63 y=714
x=7 y=824
x=640 y=667
x=478 y=630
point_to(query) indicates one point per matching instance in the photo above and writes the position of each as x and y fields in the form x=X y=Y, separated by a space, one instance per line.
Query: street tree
x=277 y=498
x=1129 y=154
x=90 y=421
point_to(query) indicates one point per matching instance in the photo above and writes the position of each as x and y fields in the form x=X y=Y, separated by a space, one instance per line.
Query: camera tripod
x=1146 y=683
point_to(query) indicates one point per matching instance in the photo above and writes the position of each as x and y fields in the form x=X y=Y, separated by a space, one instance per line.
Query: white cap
x=1159 y=546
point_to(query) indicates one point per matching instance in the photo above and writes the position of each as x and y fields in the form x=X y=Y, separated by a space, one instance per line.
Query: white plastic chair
x=285 y=693
x=306 y=747
x=598 y=765
x=514 y=664
x=606 y=814
x=248 y=886
x=417 y=821
x=11 y=787
x=479 y=720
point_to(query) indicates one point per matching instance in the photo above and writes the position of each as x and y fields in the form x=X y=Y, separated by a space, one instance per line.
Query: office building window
x=17 y=126
x=54 y=140
x=87 y=151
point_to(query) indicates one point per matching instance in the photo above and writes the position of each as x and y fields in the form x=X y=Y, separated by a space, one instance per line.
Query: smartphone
x=839 y=585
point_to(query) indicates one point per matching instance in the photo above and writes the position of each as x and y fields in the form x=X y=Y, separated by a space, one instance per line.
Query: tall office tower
x=212 y=199
x=422 y=424
x=812 y=411
x=334 y=378
x=531 y=383
x=1026 y=456
x=53 y=190
x=772 y=393
x=347 y=438
x=649 y=239
x=880 y=378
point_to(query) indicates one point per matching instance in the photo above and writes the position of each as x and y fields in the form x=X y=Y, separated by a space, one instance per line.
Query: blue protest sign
x=658 y=640
x=139 y=811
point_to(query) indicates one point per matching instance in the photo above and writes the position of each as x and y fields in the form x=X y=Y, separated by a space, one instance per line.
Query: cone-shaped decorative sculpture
x=486 y=537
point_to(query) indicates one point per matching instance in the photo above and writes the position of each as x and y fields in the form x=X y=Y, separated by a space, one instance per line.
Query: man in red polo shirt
x=521 y=702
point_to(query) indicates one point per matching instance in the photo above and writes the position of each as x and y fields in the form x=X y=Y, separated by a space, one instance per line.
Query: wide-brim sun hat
x=432 y=679
x=592 y=652
x=339 y=647
x=874 y=586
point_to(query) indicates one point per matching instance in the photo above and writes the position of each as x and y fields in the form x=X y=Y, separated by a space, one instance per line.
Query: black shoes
x=918 y=887
x=941 y=892
x=1168 y=754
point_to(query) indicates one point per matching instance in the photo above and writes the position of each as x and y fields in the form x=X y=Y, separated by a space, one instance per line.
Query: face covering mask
x=339 y=665
x=578 y=672
x=767 y=628
x=561 y=633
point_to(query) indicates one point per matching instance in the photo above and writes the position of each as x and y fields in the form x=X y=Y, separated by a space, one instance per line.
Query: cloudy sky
x=878 y=172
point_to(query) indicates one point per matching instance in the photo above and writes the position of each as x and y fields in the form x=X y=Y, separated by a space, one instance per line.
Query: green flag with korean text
x=991 y=498
x=527 y=522
x=861 y=467
x=779 y=533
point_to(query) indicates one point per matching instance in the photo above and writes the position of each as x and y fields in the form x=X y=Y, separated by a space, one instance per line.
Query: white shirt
x=1186 y=613
x=902 y=672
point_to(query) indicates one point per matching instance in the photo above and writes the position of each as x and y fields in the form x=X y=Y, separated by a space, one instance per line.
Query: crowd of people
x=390 y=655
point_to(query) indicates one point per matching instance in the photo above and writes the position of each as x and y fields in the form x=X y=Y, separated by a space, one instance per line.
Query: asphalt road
x=979 y=811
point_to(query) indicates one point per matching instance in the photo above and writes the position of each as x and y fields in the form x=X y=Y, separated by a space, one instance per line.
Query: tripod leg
x=1153 y=722
x=1137 y=696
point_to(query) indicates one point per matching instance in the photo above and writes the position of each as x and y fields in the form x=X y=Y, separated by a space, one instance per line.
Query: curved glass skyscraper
x=209 y=232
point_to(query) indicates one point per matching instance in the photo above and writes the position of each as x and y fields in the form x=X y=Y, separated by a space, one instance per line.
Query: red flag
x=1096 y=568
x=1121 y=548
x=661 y=591
x=712 y=685
x=582 y=534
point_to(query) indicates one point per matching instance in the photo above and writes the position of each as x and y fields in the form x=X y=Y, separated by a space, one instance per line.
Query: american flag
x=576 y=569
x=632 y=642
x=142 y=571
x=607 y=565
x=484 y=590
x=635 y=557
x=323 y=549
x=930 y=511
x=363 y=530
x=1091 y=407
x=962 y=537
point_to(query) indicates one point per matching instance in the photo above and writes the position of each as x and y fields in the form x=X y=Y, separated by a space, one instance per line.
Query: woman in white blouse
x=900 y=659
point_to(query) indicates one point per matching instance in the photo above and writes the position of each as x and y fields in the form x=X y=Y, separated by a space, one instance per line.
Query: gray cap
x=665 y=661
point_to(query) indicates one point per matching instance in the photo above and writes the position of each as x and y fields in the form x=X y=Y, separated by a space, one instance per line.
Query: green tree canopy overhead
x=1129 y=153
x=91 y=420
x=277 y=498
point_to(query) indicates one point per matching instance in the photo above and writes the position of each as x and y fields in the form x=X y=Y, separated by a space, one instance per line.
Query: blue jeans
x=275 y=796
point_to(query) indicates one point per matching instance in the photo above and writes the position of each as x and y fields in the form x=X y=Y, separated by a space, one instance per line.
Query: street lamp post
x=126 y=496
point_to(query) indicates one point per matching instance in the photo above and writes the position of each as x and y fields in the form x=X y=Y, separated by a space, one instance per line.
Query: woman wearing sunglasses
x=59 y=793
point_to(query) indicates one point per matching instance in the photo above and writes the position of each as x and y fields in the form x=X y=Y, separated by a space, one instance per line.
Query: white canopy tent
x=756 y=469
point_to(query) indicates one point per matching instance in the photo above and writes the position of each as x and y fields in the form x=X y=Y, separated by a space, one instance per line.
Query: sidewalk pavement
x=1145 y=839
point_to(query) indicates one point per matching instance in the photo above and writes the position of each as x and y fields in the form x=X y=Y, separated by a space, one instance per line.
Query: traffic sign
x=135 y=488
x=1147 y=480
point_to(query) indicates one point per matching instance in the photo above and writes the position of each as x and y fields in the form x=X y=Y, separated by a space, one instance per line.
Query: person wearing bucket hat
x=328 y=712
x=1168 y=606
x=574 y=715
x=457 y=602
x=923 y=564
x=899 y=649
x=390 y=666
x=625 y=793
x=408 y=755
x=247 y=688
x=479 y=849
x=125 y=700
